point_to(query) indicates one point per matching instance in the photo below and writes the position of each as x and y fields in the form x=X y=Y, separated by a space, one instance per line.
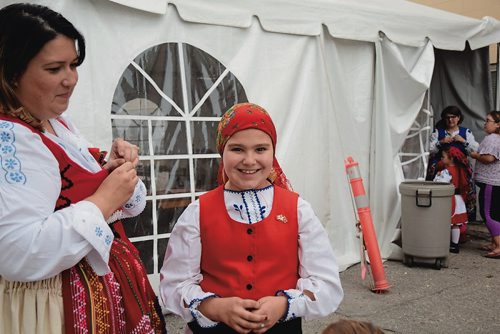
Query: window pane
x=204 y=134
x=169 y=137
x=202 y=70
x=161 y=63
x=144 y=173
x=145 y=249
x=174 y=177
x=141 y=225
x=169 y=211
x=133 y=131
x=205 y=173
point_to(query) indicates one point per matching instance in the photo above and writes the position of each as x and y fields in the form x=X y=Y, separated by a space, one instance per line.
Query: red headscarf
x=244 y=116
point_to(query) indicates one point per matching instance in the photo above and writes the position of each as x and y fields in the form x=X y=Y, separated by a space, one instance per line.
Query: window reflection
x=172 y=176
x=169 y=210
x=141 y=225
x=205 y=173
x=169 y=137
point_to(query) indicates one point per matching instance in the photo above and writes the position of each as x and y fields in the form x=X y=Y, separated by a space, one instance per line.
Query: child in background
x=347 y=326
x=250 y=255
x=457 y=172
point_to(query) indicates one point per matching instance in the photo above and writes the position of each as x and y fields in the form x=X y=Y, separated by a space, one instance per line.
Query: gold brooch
x=282 y=218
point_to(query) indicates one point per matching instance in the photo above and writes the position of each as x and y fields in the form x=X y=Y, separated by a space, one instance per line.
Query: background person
x=487 y=176
x=449 y=133
x=62 y=267
x=250 y=255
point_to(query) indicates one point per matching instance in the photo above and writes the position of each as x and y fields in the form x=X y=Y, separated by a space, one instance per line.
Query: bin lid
x=439 y=189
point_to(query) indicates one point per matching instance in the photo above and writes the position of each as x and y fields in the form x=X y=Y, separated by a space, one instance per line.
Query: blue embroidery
x=253 y=210
x=5 y=137
x=10 y=163
x=108 y=240
x=246 y=207
x=128 y=205
x=239 y=209
x=98 y=231
x=7 y=149
x=16 y=177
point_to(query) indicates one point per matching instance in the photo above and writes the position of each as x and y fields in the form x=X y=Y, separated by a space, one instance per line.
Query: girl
x=487 y=175
x=250 y=255
x=457 y=172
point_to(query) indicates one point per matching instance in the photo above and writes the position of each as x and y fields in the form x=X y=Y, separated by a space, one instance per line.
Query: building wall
x=476 y=9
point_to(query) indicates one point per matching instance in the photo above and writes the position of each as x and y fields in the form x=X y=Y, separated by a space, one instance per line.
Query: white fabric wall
x=330 y=98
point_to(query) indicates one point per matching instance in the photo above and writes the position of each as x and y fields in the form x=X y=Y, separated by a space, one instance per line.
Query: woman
x=487 y=176
x=62 y=267
x=448 y=133
x=250 y=255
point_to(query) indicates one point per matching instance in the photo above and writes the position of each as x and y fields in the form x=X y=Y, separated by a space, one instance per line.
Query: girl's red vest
x=249 y=260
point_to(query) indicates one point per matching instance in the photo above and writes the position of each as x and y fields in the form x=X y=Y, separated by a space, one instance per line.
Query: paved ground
x=462 y=298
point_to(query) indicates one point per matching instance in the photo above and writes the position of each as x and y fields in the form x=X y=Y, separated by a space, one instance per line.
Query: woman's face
x=248 y=159
x=45 y=87
x=490 y=126
x=451 y=121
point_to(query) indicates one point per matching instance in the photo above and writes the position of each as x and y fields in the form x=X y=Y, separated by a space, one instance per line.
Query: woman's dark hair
x=24 y=30
x=452 y=110
x=496 y=117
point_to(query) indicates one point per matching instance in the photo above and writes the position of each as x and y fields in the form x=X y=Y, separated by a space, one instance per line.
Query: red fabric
x=272 y=244
x=248 y=116
x=139 y=300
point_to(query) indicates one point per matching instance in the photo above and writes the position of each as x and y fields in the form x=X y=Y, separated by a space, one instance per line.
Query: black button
x=249 y=258
x=249 y=286
x=250 y=231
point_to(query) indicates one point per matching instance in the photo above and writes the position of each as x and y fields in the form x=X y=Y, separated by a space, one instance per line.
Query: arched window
x=168 y=102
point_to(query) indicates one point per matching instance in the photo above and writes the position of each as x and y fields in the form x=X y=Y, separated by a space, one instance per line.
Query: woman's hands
x=239 y=314
x=121 y=152
x=116 y=189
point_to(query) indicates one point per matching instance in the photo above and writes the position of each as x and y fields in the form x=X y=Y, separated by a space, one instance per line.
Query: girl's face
x=490 y=126
x=248 y=159
x=446 y=159
x=45 y=87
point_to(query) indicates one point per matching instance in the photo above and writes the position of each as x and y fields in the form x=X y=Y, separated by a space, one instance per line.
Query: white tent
x=339 y=77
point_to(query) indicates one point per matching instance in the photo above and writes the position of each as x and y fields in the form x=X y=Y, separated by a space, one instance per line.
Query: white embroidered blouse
x=36 y=242
x=318 y=270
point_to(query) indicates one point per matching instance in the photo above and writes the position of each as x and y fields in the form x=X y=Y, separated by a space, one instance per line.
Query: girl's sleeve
x=38 y=243
x=318 y=270
x=180 y=275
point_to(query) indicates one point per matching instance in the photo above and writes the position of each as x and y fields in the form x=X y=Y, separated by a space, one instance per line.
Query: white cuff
x=296 y=304
x=91 y=226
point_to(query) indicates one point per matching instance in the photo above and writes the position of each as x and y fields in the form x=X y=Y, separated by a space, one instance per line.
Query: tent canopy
x=403 y=22
x=340 y=78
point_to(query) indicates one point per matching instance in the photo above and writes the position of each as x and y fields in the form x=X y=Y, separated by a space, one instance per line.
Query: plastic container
x=426 y=221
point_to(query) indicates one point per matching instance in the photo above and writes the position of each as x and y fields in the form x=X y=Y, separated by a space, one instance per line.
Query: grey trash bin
x=425 y=221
